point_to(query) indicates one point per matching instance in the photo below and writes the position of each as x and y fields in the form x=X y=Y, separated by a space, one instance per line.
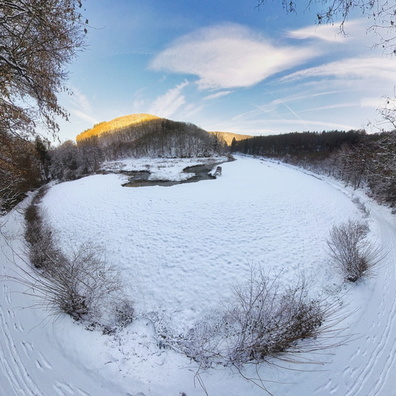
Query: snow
x=180 y=250
x=160 y=168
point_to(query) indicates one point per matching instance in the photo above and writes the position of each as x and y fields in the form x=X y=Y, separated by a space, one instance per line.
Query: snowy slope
x=180 y=249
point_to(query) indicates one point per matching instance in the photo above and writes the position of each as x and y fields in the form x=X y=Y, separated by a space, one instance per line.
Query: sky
x=226 y=65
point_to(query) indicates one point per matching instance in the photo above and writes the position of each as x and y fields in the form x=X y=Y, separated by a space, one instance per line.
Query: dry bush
x=83 y=286
x=352 y=253
x=264 y=321
x=80 y=284
x=38 y=235
x=124 y=312
x=268 y=321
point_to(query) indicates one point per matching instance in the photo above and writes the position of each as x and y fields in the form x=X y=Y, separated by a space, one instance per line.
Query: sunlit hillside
x=116 y=124
x=146 y=135
x=120 y=123
x=228 y=136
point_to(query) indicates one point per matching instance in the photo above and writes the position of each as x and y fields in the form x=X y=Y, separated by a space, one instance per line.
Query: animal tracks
x=42 y=363
x=375 y=360
x=27 y=347
x=13 y=364
x=6 y=294
x=63 y=389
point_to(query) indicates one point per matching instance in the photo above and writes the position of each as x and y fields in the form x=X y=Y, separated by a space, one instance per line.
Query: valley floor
x=180 y=250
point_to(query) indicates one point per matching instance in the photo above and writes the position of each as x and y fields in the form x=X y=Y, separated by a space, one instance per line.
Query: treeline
x=297 y=144
x=23 y=167
x=156 y=138
x=357 y=158
x=371 y=164
x=26 y=165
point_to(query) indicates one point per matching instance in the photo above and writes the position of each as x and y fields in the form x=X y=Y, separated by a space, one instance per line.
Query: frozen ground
x=180 y=249
x=160 y=168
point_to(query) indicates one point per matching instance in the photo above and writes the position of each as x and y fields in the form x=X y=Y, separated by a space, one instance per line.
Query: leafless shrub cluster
x=262 y=322
x=349 y=248
x=361 y=206
x=80 y=284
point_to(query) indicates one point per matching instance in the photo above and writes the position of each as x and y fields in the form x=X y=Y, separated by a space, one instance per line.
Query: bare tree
x=37 y=39
x=388 y=112
x=381 y=12
x=20 y=170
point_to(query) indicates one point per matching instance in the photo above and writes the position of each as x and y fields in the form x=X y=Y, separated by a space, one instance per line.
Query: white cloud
x=363 y=68
x=271 y=126
x=372 y=102
x=331 y=33
x=84 y=116
x=228 y=56
x=81 y=106
x=330 y=107
x=217 y=95
x=313 y=125
x=378 y=103
x=78 y=99
x=166 y=105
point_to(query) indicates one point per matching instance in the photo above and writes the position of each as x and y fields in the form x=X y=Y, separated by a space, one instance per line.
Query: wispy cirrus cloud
x=331 y=33
x=217 y=95
x=168 y=104
x=267 y=126
x=329 y=74
x=81 y=106
x=229 y=56
x=363 y=68
x=331 y=107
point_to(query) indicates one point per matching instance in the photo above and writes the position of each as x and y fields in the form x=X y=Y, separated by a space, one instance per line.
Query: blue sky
x=226 y=65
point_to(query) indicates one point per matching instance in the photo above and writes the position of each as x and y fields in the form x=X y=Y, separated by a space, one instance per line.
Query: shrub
x=80 y=284
x=263 y=322
x=268 y=321
x=351 y=251
x=83 y=284
x=39 y=237
x=124 y=313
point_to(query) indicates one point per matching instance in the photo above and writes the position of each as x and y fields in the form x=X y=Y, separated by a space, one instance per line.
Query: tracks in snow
x=15 y=350
x=375 y=359
x=366 y=366
x=31 y=363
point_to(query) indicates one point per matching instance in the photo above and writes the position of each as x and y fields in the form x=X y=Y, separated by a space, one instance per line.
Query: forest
x=24 y=166
x=157 y=137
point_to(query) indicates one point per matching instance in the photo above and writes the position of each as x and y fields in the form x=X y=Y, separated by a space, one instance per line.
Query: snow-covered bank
x=180 y=249
x=170 y=169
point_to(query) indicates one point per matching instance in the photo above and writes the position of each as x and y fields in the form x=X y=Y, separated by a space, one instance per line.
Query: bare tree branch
x=37 y=39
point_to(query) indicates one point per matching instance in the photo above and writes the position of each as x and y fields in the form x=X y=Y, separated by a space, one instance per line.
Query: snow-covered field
x=180 y=250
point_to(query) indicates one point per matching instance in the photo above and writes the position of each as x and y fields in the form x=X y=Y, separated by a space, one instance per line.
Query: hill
x=146 y=135
x=229 y=136
x=134 y=120
x=117 y=124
